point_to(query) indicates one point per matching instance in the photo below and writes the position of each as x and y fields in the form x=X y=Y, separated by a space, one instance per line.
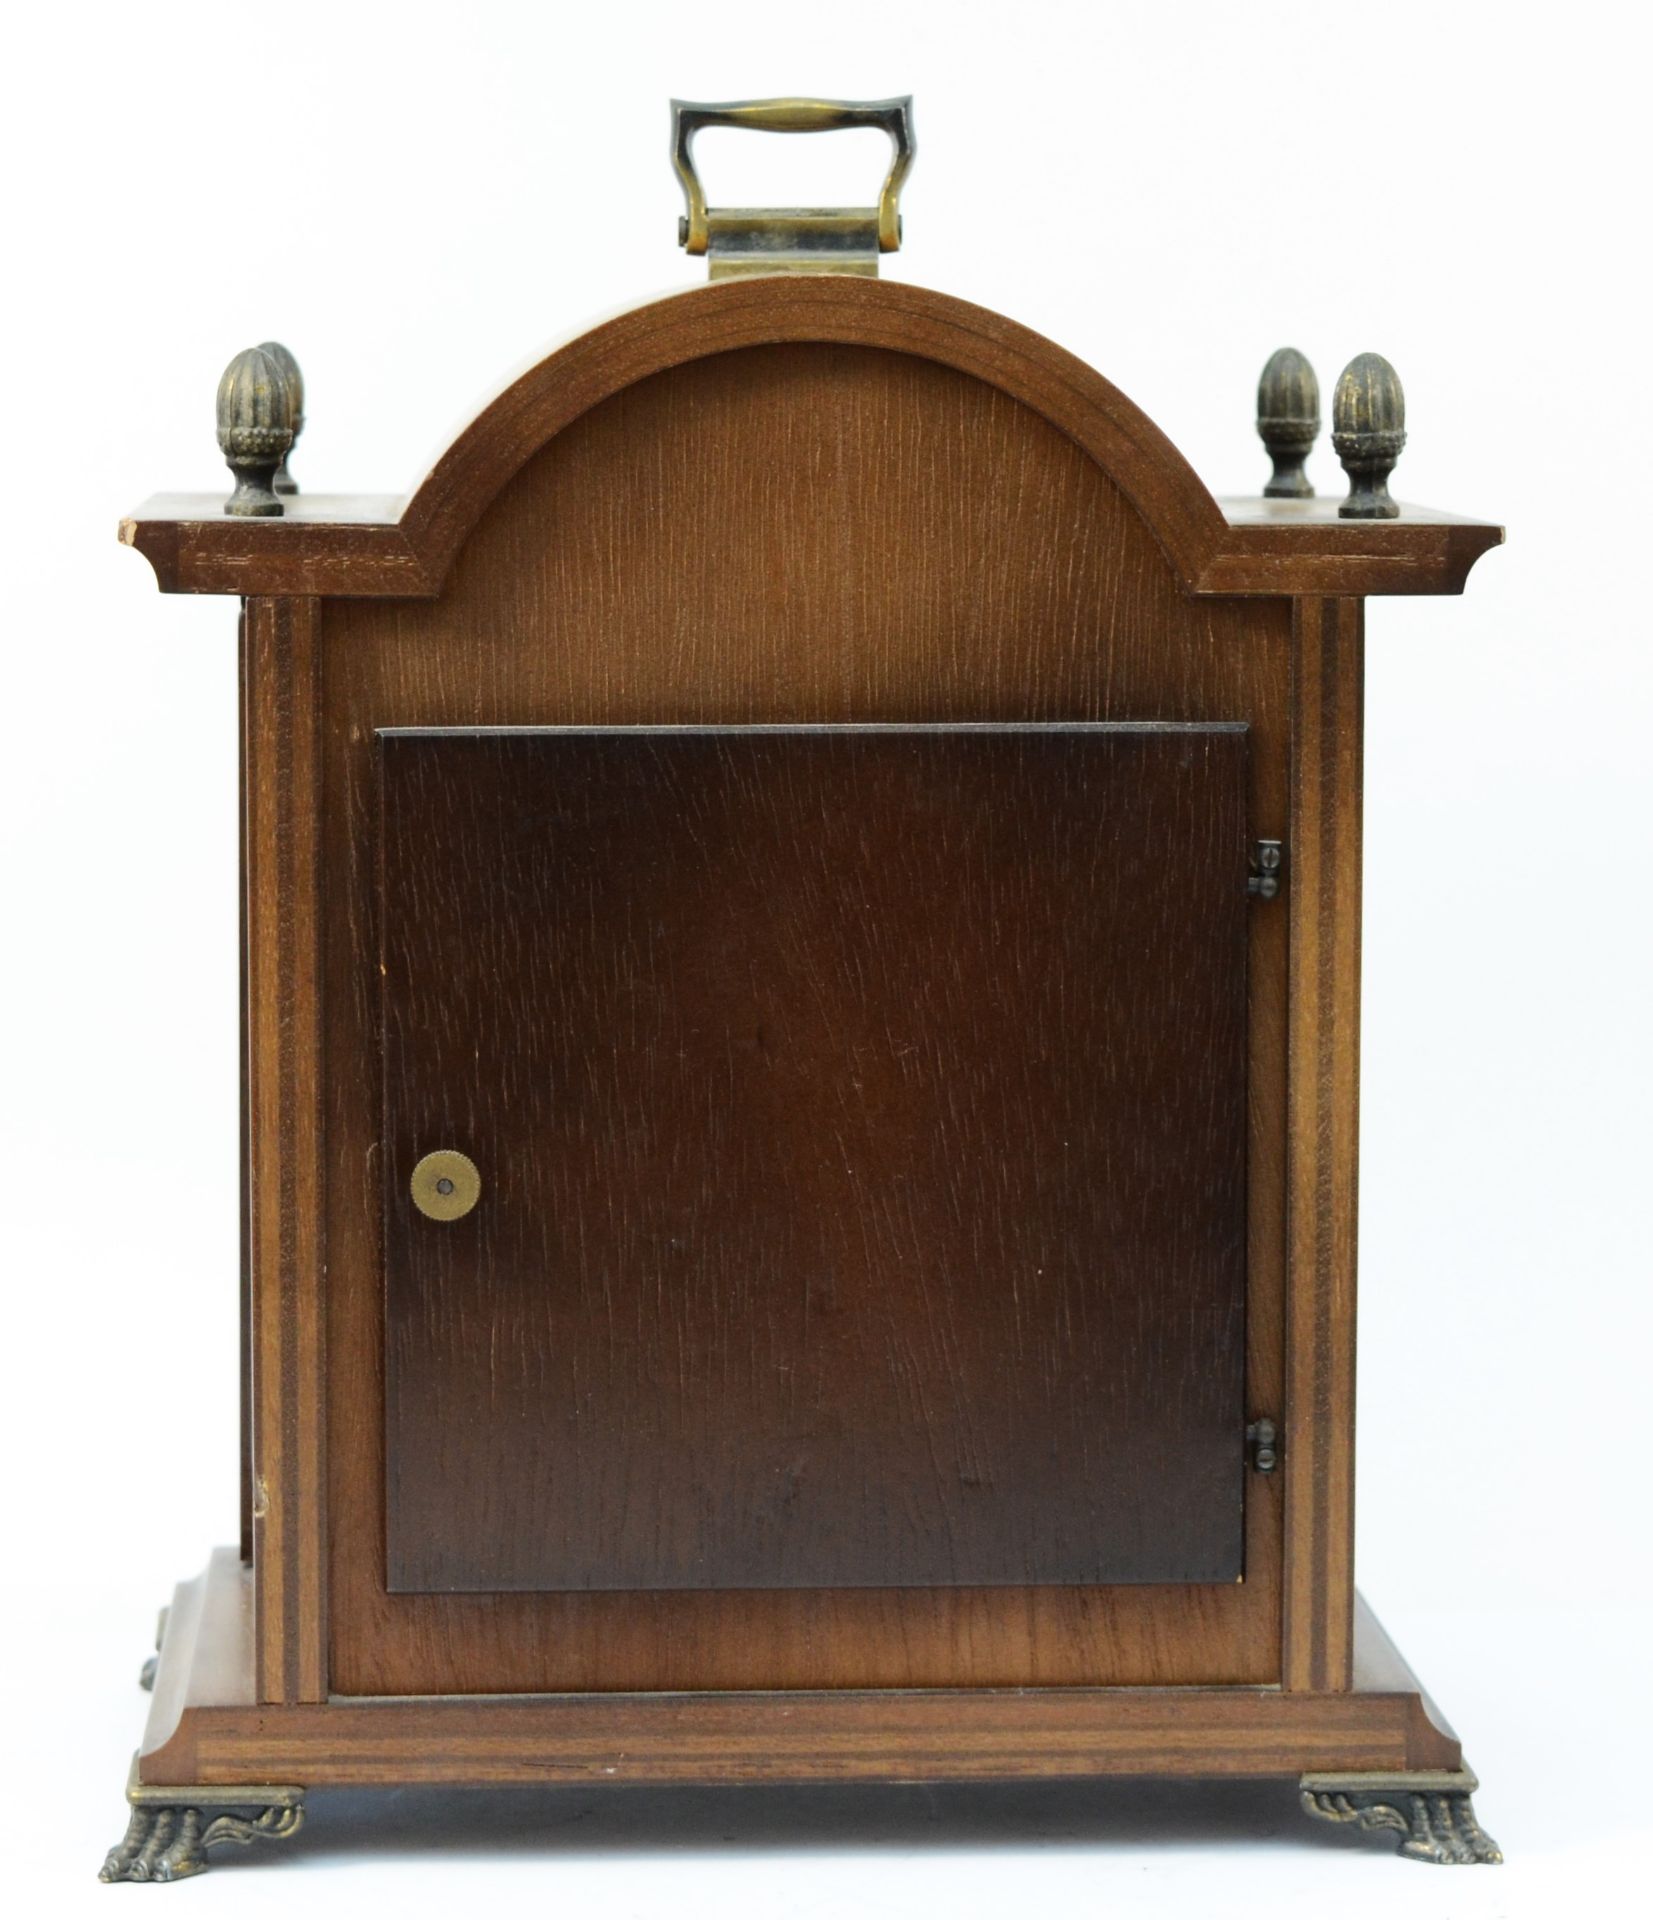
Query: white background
x=415 y=197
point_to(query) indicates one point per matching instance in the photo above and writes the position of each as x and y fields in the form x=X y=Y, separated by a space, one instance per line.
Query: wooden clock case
x=779 y=798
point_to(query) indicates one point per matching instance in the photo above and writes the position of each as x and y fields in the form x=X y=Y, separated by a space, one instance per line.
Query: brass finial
x=1368 y=431
x=1288 y=420
x=284 y=481
x=255 y=429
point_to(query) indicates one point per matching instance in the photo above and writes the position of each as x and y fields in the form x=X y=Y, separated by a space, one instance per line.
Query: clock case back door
x=861 y=1118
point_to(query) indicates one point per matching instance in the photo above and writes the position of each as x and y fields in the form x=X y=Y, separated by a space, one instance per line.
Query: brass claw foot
x=171 y=1828
x=1433 y=1812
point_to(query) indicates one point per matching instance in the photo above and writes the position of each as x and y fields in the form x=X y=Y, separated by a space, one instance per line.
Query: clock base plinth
x=211 y=1748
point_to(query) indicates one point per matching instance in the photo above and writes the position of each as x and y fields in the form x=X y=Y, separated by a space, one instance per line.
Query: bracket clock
x=801 y=953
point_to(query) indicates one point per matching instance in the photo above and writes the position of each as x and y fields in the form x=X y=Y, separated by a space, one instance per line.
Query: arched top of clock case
x=355 y=546
x=827 y=310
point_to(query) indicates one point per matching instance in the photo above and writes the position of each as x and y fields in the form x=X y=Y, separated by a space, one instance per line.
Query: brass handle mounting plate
x=445 y=1185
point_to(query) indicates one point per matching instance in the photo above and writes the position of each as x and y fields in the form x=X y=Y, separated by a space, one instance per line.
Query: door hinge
x=1268 y=860
x=1262 y=1446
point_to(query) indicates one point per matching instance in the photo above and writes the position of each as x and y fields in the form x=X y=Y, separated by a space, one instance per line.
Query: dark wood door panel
x=861 y=1118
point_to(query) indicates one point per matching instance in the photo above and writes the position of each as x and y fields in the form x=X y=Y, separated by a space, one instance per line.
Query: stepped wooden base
x=1378 y=1756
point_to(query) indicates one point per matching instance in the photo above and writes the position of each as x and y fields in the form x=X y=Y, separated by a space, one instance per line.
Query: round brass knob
x=445 y=1185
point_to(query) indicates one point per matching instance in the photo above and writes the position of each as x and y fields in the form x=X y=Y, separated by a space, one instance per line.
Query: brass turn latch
x=749 y=240
x=445 y=1185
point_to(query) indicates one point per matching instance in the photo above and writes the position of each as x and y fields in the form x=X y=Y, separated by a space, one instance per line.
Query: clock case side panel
x=1322 y=1141
x=285 y=1377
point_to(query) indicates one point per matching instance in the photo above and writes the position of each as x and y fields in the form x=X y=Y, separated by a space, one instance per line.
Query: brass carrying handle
x=895 y=117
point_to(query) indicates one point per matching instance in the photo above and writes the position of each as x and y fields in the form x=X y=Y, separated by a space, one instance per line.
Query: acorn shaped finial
x=1288 y=421
x=1368 y=431
x=284 y=481
x=255 y=429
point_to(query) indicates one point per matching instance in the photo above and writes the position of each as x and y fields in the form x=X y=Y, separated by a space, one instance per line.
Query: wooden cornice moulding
x=382 y=546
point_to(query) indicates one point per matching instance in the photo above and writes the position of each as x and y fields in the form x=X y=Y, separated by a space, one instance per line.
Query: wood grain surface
x=861 y=1115
x=788 y=534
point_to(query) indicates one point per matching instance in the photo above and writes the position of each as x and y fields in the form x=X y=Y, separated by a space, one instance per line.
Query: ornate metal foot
x=171 y=1828
x=1432 y=1812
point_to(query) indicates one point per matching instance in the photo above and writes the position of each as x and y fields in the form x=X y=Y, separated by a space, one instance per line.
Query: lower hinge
x=1263 y=1446
x=1268 y=860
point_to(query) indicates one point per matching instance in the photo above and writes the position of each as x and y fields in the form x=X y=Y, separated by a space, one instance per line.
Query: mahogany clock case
x=783 y=798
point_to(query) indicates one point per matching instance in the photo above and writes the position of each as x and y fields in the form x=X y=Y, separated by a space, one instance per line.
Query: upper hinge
x=741 y=241
x=1268 y=864
x=1263 y=1446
